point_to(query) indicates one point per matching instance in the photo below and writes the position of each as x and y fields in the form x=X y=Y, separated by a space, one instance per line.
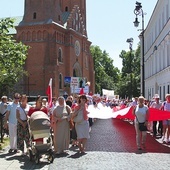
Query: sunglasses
x=16 y=98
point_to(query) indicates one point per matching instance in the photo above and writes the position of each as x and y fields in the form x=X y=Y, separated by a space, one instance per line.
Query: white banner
x=108 y=93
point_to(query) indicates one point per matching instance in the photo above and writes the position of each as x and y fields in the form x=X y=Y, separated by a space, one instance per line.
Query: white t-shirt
x=23 y=112
x=12 y=115
x=166 y=106
x=156 y=105
x=141 y=113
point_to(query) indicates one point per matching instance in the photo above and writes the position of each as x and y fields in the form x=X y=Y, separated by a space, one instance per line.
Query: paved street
x=111 y=147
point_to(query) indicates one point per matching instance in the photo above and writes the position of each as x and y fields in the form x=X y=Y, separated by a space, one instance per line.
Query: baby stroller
x=40 y=129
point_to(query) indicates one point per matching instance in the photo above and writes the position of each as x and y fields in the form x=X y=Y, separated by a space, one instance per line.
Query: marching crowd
x=70 y=122
x=68 y=117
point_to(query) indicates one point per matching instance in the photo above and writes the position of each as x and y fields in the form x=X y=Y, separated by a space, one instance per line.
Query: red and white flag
x=81 y=91
x=49 y=93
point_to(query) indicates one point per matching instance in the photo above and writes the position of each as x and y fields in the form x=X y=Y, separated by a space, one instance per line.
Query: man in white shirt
x=11 y=119
x=157 y=105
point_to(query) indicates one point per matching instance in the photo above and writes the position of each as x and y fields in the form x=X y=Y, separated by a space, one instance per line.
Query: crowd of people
x=70 y=123
x=17 y=112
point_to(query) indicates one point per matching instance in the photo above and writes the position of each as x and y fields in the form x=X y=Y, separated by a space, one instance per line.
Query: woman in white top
x=141 y=113
x=166 y=123
x=22 y=126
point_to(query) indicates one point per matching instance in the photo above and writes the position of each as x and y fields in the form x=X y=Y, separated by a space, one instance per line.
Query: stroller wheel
x=51 y=158
x=37 y=160
x=30 y=155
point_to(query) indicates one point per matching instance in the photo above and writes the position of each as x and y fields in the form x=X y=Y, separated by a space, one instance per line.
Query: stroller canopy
x=39 y=121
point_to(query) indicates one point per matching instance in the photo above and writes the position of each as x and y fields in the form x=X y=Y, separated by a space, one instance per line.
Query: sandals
x=10 y=151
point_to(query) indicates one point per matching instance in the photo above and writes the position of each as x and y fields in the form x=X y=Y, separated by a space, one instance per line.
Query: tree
x=129 y=84
x=12 y=57
x=106 y=75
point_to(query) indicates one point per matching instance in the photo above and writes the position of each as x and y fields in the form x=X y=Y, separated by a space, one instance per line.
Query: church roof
x=17 y=20
x=65 y=16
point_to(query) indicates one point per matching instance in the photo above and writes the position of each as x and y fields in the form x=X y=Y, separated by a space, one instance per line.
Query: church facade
x=56 y=32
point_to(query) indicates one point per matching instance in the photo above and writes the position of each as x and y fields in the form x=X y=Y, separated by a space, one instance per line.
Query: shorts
x=166 y=122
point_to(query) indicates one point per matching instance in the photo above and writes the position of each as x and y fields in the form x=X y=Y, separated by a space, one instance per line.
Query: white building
x=157 y=51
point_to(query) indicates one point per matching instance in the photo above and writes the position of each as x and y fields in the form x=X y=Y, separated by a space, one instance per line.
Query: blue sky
x=109 y=22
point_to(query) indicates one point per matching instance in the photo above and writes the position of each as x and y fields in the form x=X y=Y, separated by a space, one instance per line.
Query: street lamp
x=139 y=12
x=130 y=41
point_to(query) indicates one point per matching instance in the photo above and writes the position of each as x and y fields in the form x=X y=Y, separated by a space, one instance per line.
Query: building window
x=34 y=15
x=168 y=89
x=66 y=8
x=163 y=91
x=59 y=17
x=60 y=59
x=60 y=81
x=160 y=92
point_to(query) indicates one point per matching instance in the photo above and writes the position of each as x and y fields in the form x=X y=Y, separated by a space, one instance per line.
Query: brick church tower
x=56 y=32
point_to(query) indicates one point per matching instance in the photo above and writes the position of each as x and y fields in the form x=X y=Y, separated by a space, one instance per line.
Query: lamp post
x=130 y=41
x=138 y=11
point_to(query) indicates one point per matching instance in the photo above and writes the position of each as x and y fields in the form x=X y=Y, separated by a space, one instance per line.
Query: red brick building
x=56 y=32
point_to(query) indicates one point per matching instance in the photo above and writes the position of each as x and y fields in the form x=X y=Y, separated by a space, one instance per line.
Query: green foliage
x=129 y=84
x=12 y=58
x=106 y=75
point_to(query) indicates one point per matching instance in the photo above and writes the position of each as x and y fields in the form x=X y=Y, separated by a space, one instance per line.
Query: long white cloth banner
x=104 y=112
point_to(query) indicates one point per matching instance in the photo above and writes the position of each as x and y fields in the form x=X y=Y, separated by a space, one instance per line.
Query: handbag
x=71 y=123
x=142 y=126
x=79 y=118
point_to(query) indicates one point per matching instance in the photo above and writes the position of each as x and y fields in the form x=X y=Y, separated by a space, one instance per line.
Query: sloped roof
x=65 y=16
x=17 y=20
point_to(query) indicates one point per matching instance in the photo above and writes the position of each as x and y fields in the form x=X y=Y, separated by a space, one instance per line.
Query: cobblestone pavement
x=110 y=147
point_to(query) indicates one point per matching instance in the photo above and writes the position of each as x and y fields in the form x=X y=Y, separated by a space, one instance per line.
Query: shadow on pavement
x=77 y=155
x=24 y=161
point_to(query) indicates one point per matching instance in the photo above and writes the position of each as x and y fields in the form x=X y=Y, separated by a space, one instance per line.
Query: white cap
x=156 y=96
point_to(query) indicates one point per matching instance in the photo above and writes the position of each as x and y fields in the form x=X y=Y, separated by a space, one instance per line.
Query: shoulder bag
x=142 y=126
x=79 y=118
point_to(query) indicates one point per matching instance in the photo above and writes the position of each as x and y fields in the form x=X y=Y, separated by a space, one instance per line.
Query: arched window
x=60 y=81
x=60 y=55
x=34 y=15
x=33 y=35
x=59 y=17
x=28 y=36
x=66 y=8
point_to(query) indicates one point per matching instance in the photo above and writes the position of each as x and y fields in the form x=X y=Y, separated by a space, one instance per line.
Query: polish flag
x=81 y=91
x=49 y=93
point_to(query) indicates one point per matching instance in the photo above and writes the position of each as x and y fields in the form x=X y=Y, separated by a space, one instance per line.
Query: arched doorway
x=77 y=71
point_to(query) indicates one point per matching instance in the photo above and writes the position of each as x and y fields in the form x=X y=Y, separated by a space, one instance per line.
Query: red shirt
x=32 y=110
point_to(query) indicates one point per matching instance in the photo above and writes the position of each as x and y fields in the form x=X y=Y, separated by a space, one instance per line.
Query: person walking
x=141 y=113
x=38 y=107
x=82 y=123
x=166 y=123
x=61 y=117
x=11 y=122
x=157 y=105
x=22 y=126
x=3 y=109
